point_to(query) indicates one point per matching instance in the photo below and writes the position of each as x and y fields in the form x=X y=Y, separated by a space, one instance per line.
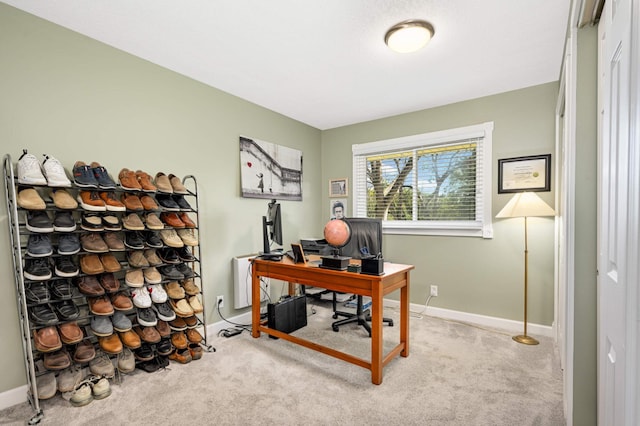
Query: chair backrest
x=366 y=233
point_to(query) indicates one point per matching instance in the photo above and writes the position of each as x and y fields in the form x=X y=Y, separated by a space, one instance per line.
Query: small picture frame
x=338 y=208
x=338 y=187
x=298 y=253
x=519 y=174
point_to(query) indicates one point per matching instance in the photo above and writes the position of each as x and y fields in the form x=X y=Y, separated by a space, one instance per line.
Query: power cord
x=229 y=332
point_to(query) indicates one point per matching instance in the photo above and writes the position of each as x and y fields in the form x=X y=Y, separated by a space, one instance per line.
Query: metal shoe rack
x=17 y=244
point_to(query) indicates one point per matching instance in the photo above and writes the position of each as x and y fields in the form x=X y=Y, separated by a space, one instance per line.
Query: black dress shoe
x=152 y=238
x=168 y=255
x=63 y=221
x=185 y=254
x=39 y=245
x=167 y=203
x=185 y=270
x=37 y=292
x=61 y=289
x=43 y=315
x=144 y=352
x=67 y=310
x=66 y=268
x=181 y=202
x=171 y=273
x=37 y=269
x=134 y=240
x=68 y=244
x=164 y=347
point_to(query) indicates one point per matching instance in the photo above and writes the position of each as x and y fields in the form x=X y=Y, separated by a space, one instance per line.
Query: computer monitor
x=366 y=237
x=272 y=231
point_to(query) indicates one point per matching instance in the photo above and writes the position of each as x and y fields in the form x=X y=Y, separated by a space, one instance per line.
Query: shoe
x=55 y=173
x=178 y=324
x=179 y=340
x=81 y=396
x=65 y=267
x=134 y=240
x=152 y=276
x=163 y=183
x=30 y=199
x=183 y=356
x=170 y=238
x=147 y=334
x=121 y=302
x=37 y=292
x=152 y=239
x=102 y=366
x=114 y=242
x=174 y=291
x=133 y=222
x=83 y=175
x=131 y=202
x=148 y=203
x=102 y=176
x=144 y=352
x=111 y=202
x=42 y=315
x=130 y=339
x=170 y=272
x=146 y=317
x=190 y=287
x=184 y=254
x=89 y=286
x=37 y=269
x=157 y=294
x=100 y=305
x=121 y=322
x=185 y=270
x=38 y=221
x=164 y=347
x=91 y=265
x=141 y=298
x=188 y=236
x=101 y=325
x=91 y=201
x=101 y=389
x=109 y=282
x=134 y=278
x=126 y=361
x=110 y=263
x=58 y=360
x=152 y=257
x=29 y=172
x=136 y=259
x=128 y=180
x=68 y=379
x=196 y=351
x=192 y=321
x=61 y=289
x=110 y=344
x=63 y=200
x=163 y=328
x=164 y=311
x=181 y=308
x=66 y=310
x=111 y=222
x=68 y=244
x=46 y=385
x=47 y=339
x=93 y=243
x=39 y=245
x=182 y=203
x=188 y=223
x=172 y=219
x=153 y=221
x=85 y=352
x=176 y=185
x=167 y=203
x=144 y=179
x=92 y=222
x=168 y=255
x=70 y=333
x=63 y=221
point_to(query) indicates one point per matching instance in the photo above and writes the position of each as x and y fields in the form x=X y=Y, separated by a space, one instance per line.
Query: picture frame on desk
x=298 y=253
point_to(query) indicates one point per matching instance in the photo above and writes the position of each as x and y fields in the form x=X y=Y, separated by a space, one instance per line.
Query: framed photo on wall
x=338 y=187
x=338 y=208
x=518 y=174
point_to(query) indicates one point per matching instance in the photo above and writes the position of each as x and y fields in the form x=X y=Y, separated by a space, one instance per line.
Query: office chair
x=366 y=237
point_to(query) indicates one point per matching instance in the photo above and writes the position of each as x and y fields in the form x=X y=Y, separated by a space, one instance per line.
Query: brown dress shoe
x=176 y=185
x=111 y=202
x=93 y=243
x=132 y=202
x=183 y=356
x=144 y=179
x=163 y=328
x=91 y=265
x=134 y=278
x=63 y=200
x=85 y=352
x=172 y=219
x=133 y=222
x=137 y=259
x=179 y=340
x=57 y=360
x=130 y=339
x=121 y=302
x=178 y=324
x=89 y=286
x=110 y=344
x=191 y=321
x=30 y=199
x=90 y=200
x=188 y=223
x=153 y=221
x=152 y=257
x=114 y=242
x=128 y=180
x=70 y=332
x=47 y=339
x=163 y=184
x=110 y=263
x=100 y=305
x=196 y=351
x=148 y=203
x=194 y=336
x=109 y=282
x=147 y=334
x=190 y=287
x=174 y=291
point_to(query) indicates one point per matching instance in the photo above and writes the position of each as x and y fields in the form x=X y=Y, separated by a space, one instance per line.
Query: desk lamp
x=526 y=204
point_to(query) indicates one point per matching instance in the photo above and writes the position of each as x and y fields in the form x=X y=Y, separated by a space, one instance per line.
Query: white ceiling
x=324 y=62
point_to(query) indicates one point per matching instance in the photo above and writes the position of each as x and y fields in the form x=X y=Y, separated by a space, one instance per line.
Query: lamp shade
x=526 y=204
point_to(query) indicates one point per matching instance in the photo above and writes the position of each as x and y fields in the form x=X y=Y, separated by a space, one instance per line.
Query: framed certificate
x=532 y=173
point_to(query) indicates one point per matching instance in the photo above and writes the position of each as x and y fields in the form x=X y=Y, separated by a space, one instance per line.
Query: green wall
x=480 y=276
x=77 y=99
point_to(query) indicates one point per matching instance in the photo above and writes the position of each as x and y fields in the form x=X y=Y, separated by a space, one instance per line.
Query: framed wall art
x=338 y=187
x=518 y=174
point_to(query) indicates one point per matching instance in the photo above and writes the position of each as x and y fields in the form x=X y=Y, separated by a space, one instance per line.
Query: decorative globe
x=337 y=233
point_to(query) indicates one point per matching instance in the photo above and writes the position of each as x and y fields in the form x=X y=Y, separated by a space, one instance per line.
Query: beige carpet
x=456 y=374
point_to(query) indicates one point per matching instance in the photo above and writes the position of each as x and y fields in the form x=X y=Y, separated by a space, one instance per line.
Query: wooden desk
x=396 y=277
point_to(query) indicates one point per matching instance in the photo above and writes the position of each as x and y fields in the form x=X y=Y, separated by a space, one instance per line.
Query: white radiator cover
x=242 y=282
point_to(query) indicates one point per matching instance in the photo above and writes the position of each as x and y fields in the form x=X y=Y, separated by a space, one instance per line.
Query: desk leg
x=255 y=304
x=376 y=333
x=404 y=318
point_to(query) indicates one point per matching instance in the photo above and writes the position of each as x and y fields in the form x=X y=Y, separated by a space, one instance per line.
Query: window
x=430 y=184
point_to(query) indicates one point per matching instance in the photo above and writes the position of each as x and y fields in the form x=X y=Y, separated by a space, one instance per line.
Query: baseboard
x=13 y=397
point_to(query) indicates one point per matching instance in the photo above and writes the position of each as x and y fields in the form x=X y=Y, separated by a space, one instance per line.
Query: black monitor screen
x=271 y=230
x=366 y=237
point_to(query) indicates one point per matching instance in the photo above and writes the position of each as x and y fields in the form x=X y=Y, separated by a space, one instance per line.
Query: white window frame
x=478 y=228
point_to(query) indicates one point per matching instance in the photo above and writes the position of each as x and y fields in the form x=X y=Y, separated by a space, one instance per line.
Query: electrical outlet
x=434 y=290
x=220 y=301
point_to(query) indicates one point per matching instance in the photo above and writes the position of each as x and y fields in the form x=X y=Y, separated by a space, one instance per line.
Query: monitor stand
x=274 y=255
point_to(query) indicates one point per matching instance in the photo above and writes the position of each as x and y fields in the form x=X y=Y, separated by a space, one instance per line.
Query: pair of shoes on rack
x=170 y=184
x=92 y=176
x=30 y=171
x=93 y=387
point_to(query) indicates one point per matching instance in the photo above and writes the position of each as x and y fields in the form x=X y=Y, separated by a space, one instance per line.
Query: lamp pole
x=523 y=338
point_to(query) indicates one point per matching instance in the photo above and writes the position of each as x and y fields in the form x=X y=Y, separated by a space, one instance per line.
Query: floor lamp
x=526 y=204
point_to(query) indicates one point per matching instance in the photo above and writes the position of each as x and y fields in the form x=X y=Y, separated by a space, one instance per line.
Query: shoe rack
x=19 y=236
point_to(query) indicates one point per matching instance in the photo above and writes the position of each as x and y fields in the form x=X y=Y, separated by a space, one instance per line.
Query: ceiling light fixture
x=409 y=36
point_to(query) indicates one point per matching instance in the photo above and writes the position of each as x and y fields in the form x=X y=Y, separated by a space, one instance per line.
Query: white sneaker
x=29 y=172
x=55 y=172
x=141 y=297
x=158 y=295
